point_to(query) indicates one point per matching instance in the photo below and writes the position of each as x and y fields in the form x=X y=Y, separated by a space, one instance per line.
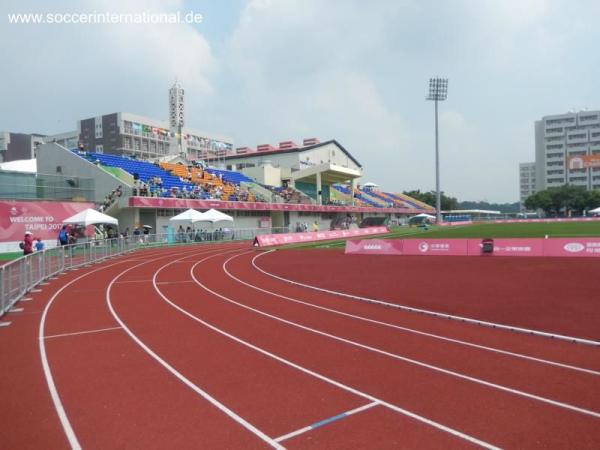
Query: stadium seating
x=359 y=198
x=143 y=169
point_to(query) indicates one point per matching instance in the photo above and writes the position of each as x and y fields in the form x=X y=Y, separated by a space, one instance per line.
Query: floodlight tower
x=438 y=91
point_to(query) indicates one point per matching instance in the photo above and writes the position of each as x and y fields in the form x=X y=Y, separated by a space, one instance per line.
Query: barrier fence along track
x=21 y=275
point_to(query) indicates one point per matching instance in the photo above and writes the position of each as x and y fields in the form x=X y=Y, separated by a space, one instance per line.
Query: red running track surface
x=557 y=295
x=195 y=348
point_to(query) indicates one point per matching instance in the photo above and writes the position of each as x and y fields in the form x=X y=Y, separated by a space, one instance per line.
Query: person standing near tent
x=63 y=236
x=27 y=243
x=39 y=245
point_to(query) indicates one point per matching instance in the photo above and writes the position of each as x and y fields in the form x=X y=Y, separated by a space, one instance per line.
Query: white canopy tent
x=189 y=216
x=20 y=165
x=90 y=217
x=595 y=211
x=212 y=215
x=426 y=216
x=370 y=184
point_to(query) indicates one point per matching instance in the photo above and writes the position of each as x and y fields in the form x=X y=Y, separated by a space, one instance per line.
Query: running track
x=195 y=347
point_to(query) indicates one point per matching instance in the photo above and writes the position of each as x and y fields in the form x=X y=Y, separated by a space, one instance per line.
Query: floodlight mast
x=438 y=91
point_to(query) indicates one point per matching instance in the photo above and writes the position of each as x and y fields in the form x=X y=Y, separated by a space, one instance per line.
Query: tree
x=448 y=203
x=564 y=199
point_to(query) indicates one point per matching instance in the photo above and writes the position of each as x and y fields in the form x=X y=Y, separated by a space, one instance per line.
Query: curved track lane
x=195 y=347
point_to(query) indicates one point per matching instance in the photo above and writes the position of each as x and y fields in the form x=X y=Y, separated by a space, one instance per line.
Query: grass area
x=483 y=230
x=10 y=256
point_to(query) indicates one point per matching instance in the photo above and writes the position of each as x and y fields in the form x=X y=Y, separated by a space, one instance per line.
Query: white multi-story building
x=567 y=150
x=526 y=182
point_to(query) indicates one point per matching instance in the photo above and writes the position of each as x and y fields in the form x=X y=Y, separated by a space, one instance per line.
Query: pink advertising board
x=266 y=240
x=452 y=247
x=182 y=203
x=42 y=218
x=511 y=247
x=456 y=224
x=557 y=219
x=572 y=247
x=569 y=247
x=375 y=246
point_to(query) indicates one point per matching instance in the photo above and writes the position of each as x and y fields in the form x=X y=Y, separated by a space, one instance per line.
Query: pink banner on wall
x=266 y=240
x=455 y=224
x=375 y=246
x=569 y=247
x=511 y=247
x=572 y=247
x=43 y=219
x=454 y=247
x=181 y=203
x=559 y=219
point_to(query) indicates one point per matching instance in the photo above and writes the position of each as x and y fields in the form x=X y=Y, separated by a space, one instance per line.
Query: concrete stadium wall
x=51 y=157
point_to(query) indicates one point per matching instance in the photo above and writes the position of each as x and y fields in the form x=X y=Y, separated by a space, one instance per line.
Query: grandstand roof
x=293 y=150
x=471 y=211
x=20 y=165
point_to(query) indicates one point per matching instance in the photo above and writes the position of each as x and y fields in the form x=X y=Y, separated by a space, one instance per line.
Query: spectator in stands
x=27 y=243
x=39 y=245
x=315 y=226
x=63 y=236
x=136 y=233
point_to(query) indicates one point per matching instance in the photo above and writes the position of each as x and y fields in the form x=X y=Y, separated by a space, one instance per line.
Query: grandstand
x=316 y=182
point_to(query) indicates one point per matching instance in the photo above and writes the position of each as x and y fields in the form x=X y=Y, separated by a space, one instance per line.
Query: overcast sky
x=264 y=71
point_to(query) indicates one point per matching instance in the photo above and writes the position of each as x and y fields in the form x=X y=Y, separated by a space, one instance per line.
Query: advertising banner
x=266 y=240
x=455 y=224
x=453 y=247
x=569 y=247
x=558 y=219
x=583 y=162
x=42 y=218
x=511 y=247
x=181 y=203
x=375 y=246
x=572 y=247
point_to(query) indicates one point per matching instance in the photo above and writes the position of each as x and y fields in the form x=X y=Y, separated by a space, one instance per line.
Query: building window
x=99 y=149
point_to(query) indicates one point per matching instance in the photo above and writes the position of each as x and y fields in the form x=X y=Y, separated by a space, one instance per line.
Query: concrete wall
x=56 y=160
x=264 y=174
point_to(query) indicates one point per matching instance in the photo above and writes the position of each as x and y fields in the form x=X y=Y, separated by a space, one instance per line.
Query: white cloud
x=73 y=71
x=343 y=69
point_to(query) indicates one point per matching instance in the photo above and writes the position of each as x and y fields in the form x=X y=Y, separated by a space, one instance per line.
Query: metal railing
x=21 y=275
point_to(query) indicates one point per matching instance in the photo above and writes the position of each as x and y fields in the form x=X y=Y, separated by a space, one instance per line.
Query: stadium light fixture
x=438 y=92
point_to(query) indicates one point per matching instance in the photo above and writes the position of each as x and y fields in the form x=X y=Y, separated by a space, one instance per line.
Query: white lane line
x=406 y=359
x=25 y=299
x=134 y=281
x=174 y=282
x=409 y=330
x=430 y=313
x=77 y=333
x=5 y=324
x=35 y=290
x=344 y=387
x=327 y=421
x=58 y=406
x=16 y=310
x=237 y=418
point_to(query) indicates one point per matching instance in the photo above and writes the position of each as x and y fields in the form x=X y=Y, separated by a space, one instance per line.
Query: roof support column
x=319 y=196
